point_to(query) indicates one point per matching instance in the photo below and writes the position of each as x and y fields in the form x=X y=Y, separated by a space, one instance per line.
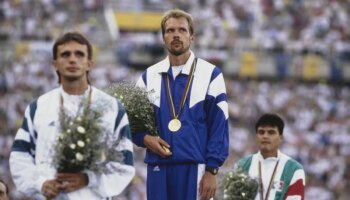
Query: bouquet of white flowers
x=84 y=144
x=237 y=185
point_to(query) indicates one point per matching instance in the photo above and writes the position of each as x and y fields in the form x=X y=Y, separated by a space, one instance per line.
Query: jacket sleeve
x=217 y=121
x=114 y=183
x=27 y=178
x=296 y=188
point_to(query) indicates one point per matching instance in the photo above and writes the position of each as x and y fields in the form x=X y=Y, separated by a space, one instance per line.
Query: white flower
x=88 y=140
x=71 y=123
x=102 y=155
x=69 y=131
x=81 y=143
x=81 y=129
x=79 y=156
x=72 y=146
x=243 y=194
x=230 y=175
x=79 y=119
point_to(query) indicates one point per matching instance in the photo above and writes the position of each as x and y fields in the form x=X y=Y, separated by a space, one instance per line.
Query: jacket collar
x=164 y=65
x=269 y=158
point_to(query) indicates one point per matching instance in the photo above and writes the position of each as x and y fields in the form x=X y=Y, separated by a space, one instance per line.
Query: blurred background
x=291 y=57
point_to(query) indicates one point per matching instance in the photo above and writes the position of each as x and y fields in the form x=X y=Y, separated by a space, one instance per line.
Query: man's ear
x=192 y=37
x=90 y=64
x=54 y=63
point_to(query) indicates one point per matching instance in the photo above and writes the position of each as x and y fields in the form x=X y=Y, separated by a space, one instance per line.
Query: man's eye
x=80 y=54
x=65 y=55
x=272 y=132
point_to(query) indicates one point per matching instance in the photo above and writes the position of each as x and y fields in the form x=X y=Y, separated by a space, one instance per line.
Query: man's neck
x=180 y=59
x=74 y=87
x=269 y=154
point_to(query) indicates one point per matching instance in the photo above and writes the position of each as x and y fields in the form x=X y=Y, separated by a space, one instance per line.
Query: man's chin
x=177 y=53
x=72 y=78
x=264 y=149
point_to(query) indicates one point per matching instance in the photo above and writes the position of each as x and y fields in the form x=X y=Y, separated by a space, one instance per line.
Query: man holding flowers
x=189 y=98
x=60 y=149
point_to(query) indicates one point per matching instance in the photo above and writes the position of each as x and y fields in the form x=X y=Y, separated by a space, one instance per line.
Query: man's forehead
x=267 y=127
x=177 y=21
x=72 y=45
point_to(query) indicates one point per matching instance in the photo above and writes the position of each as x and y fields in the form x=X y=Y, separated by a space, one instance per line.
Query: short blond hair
x=177 y=13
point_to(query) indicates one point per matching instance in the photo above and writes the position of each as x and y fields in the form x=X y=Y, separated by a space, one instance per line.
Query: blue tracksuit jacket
x=203 y=137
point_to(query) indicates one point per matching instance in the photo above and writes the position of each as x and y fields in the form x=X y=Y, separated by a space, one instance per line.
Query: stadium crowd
x=317 y=114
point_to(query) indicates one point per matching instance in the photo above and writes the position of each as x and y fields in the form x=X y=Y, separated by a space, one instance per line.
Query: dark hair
x=72 y=36
x=270 y=119
x=6 y=187
x=68 y=37
x=177 y=13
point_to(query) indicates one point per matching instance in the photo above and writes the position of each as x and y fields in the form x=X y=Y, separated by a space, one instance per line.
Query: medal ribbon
x=184 y=95
x=270 y=184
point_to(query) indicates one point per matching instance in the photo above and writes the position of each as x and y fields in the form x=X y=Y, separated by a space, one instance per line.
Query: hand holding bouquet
x=138 y=107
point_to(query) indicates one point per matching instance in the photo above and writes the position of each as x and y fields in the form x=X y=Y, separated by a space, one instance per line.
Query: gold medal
x=166 y=149
x=174 y=125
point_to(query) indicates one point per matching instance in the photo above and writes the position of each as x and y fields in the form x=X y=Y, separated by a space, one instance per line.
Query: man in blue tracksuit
x=191 y=111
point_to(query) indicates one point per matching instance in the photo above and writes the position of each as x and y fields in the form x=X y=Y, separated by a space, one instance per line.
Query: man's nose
x=264 y=134
x=72 y=58
x=177 y=33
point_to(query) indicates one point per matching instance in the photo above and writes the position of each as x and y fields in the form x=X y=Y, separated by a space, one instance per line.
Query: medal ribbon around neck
x=175 y=124
x=88 y=101
x=270 y=184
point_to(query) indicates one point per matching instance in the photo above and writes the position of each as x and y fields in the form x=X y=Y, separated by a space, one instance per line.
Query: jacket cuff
x=212 y=163
x=39 y=183
x=137 y=138
x=92 y=182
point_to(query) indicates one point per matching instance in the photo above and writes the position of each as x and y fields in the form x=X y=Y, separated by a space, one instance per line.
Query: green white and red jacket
x=289 y=180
